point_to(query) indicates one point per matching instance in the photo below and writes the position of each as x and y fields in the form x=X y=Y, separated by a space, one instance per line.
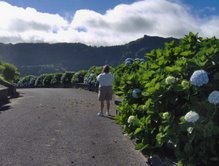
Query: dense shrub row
x=170 y=102
x=67 y=79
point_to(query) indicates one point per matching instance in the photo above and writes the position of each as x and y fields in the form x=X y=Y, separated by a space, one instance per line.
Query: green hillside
x=39 y=58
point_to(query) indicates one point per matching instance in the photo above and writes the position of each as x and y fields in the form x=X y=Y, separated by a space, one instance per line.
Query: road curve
x=59 y=127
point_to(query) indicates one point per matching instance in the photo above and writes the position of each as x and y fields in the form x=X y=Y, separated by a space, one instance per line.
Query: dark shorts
x=105 y=93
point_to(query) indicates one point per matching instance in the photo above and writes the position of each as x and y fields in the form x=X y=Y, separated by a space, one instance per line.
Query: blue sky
x=62 y=6
x=110 y=22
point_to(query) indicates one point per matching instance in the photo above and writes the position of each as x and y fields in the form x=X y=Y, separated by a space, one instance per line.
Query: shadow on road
x=112 y=117
x=4 y=108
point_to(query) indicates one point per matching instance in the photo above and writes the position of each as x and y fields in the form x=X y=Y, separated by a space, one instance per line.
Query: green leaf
x=186 y=53
x=119 y=93
x=159 y=52
x=172 y=69
x=138 y=130
x=148 y=120
x=140 y=146
x=160 y=139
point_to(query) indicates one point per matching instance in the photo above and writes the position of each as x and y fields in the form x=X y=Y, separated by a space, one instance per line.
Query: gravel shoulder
x=59 y=127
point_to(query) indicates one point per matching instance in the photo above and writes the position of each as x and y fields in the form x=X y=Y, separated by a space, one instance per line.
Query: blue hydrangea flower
x=213 y=98
x=128 y=61
x=136 y=93
x=199 y=78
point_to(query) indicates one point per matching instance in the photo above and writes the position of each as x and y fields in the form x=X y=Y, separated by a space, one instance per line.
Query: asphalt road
x=59 y=127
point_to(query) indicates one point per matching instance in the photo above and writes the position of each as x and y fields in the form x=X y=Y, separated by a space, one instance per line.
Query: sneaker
x=99 y=114
x=107 y=113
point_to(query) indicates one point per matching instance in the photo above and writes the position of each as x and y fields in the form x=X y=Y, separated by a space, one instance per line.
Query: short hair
x=106 y=69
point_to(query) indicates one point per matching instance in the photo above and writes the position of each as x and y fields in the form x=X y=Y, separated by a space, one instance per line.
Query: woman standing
x=105 y=91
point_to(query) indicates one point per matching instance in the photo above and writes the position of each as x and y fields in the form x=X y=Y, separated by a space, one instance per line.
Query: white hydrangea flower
x=189 y=130
x=170 y=141
x=165 y=115
x=213 y=98
x=170 y=80
x=192 y=116
x=131 y=119
x=199 y=78
x=185 y=83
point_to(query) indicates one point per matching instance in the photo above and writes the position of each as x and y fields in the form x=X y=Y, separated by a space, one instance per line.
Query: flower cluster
x=128 y=61
x=189 y=130
x=141 y=60
x=199 y=78
x=185 y=84
x=131 y=119
x=136 y=93
x=213 y=98
x=191 y=116
x=165 y=115
x=170 y=80
x=91 y=79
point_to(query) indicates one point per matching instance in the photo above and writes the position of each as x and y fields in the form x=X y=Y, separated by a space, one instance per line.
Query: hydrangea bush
x=66 y=78
x=47 y=80
x=56 y=80
x=26 y=82
x=78 y=77
x=173 y=81
x=90 y=77
x=39 y=81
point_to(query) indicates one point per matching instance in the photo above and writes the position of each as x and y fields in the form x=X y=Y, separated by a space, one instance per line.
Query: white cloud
x=119 y=25
x=210 y=28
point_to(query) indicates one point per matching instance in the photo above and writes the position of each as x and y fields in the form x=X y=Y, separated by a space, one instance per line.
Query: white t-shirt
x=105 y=79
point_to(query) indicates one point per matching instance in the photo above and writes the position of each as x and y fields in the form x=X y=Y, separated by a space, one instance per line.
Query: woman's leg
x=101 y=106
x=108 y=99
x=108 y=106
x=100 y=97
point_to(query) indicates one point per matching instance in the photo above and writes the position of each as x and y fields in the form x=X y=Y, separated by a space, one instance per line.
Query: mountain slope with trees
x=38 y=58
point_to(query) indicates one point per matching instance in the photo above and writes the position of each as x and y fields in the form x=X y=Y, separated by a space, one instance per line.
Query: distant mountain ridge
x=38 y=58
